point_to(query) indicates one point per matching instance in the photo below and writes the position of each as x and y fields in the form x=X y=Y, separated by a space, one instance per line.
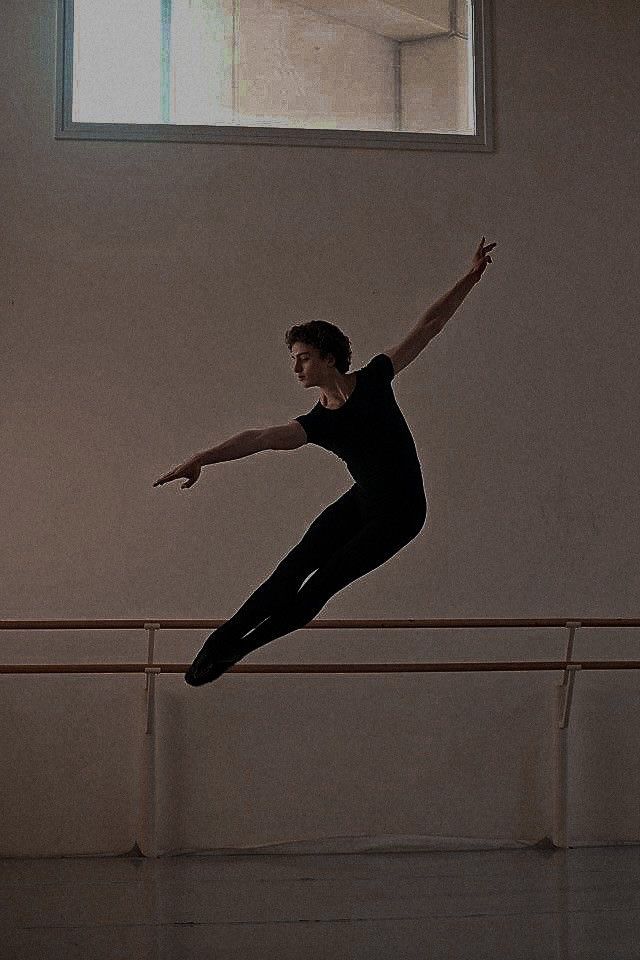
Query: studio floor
x=583 y=903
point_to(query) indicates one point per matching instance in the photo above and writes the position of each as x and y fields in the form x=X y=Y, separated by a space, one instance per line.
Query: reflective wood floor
x=582 y=903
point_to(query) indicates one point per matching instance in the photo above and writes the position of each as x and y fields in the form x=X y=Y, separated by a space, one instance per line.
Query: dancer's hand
x=481 y=259
x=189 y=469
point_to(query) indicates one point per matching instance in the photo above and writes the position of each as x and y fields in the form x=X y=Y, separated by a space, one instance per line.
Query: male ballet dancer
x=357 y=418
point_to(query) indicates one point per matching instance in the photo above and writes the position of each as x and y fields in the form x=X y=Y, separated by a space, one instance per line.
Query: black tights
x=343 y=543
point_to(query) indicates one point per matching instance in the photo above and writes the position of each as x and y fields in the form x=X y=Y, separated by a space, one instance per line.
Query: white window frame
x=66 y=129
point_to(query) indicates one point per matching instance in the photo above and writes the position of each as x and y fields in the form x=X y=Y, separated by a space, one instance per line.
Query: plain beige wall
x=147 y=288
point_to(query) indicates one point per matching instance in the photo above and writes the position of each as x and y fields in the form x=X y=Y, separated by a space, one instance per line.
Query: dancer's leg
x=375 y=543
x=335 y=525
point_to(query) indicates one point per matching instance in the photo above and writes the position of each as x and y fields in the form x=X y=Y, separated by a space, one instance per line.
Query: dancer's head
x=327 y=346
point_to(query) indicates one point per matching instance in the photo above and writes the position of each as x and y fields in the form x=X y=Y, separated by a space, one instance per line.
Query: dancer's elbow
x=287 y=436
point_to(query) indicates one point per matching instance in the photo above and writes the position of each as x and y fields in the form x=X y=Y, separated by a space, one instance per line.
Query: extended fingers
x=483 y=247
x=165 y=478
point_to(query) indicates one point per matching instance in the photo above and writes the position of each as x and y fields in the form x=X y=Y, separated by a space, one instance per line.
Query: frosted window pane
x=116 y=61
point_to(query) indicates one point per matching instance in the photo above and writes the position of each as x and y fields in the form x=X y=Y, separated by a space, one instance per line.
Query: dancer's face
x=311 y=369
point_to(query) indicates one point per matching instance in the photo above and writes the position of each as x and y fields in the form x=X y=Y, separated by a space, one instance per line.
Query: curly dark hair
x=328 y=339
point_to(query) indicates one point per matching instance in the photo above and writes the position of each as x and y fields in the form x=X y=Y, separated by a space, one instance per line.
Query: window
x=407 y=74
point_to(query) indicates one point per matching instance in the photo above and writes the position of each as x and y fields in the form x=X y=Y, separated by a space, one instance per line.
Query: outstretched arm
x=289 y=436
x=442 y=310
x=241 y=445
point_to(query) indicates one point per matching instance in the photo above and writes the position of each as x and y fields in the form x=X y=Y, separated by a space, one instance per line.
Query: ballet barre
x=152 y=669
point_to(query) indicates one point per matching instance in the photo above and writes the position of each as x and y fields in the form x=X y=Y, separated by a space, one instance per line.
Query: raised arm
x=434 y=319
x=286 y=437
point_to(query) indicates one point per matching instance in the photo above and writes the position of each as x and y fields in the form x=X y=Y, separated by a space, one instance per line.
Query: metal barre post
x=147 y=819
x=572 y=626
x=561 y=712
x=147 y=841
x=151 y=638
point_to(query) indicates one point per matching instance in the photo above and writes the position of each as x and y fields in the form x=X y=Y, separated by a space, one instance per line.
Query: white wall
x=146 y=291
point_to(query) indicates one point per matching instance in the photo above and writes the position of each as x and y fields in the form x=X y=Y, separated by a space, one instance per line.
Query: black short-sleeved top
x=371 y=435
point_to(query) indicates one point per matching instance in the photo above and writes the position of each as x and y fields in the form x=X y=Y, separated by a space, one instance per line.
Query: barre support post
x=151 y=638
x=561 y=711
x=147 y=842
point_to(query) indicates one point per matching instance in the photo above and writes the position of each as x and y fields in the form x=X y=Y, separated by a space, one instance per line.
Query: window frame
x=483 y=140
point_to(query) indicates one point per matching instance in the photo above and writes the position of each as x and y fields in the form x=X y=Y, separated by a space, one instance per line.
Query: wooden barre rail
x=433 y=667
x=350 y=624
x=440 y=667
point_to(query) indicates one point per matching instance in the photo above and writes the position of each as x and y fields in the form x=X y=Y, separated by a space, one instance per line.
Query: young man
x=357 y=418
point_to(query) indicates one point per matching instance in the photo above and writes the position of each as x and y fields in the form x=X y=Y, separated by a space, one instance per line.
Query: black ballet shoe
x=206 y=654
x=204 y=671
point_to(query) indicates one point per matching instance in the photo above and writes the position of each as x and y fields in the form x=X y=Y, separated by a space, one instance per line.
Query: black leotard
x=371 y=435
